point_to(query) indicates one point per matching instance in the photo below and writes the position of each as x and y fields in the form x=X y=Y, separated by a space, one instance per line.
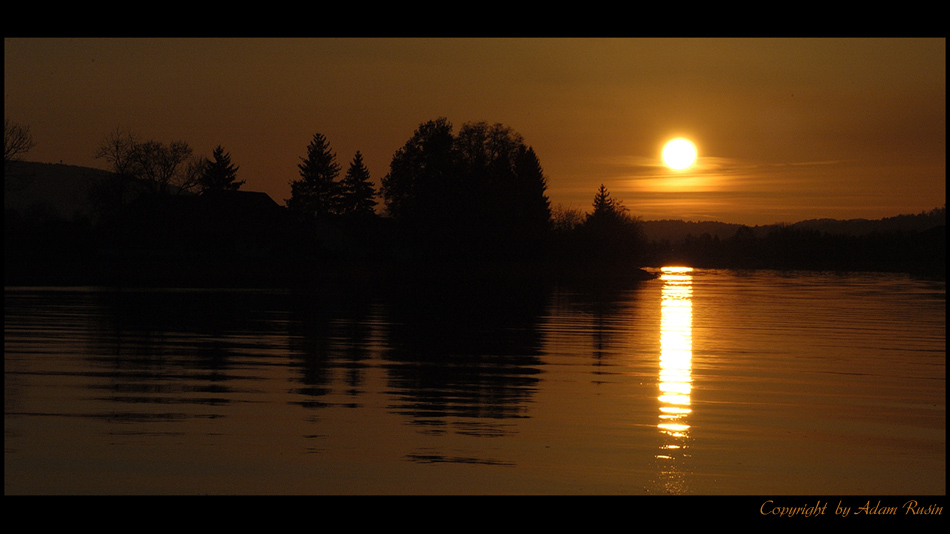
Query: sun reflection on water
x=676 y=350
x=675 y=381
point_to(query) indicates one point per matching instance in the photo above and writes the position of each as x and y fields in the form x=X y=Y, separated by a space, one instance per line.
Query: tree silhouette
x=606 y=209
x=483 y=190
x=118 y=149
x=219 y=174
x=17 y=141
x=316 y=194
x=357 y=195
x=609 y=232
x=168 y=168
x=531 y=202
x=486 y=158
x=418 y=188
x=161 y=168
x=566 y=219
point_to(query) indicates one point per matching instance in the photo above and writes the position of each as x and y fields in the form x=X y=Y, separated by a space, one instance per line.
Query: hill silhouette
x=57 y=190
x=678 y=230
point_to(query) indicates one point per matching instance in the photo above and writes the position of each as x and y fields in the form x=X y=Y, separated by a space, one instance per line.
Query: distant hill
x=677 y=231
x=51 y=190
x=54 y=189
x=920 y=222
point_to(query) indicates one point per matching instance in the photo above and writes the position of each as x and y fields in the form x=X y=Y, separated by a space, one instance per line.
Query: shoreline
x=301 y=274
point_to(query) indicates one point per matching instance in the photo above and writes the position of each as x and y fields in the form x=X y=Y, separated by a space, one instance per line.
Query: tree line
x=799 y=247
x=166 y=168
x=479 y=192
x=476 y=193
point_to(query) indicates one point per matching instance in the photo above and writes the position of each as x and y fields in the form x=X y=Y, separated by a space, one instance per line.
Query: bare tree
x=166 y=168
x=17 y=141
x=160 y=167
x=118 y=148
x=566 y=219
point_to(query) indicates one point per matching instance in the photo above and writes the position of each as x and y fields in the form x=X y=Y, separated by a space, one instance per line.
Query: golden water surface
x=697 y=382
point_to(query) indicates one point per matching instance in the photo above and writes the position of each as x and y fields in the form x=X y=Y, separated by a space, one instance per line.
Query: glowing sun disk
x=679 y=154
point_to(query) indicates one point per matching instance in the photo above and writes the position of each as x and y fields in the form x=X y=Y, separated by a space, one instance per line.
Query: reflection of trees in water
x=453 y=351
x=466 y=350
x=330 y=329
x=164 y=352
x=207 y=326
x=139 y=327
x=186 y=343
x=606 y=303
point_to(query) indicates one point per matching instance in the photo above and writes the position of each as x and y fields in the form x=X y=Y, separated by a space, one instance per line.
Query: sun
x=679 y=154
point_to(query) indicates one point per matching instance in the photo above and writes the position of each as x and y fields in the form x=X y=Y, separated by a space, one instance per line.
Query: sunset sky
x=786 y=129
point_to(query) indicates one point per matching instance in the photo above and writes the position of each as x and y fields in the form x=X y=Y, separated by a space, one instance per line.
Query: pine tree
x=357 y=192
x=609 y=232
x=529 y=190
x=219 y=175
x=316 y=194
x=606 y=208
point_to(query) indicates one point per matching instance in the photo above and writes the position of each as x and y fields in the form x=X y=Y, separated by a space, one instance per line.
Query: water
x=699 y=382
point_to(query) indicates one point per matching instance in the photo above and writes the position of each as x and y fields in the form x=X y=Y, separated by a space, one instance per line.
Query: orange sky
x=787 y=129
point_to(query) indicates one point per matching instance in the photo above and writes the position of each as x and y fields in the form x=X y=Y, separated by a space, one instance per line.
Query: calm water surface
x=698 y=382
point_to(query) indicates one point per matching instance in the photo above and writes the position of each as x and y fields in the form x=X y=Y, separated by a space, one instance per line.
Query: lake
x=704 y=382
